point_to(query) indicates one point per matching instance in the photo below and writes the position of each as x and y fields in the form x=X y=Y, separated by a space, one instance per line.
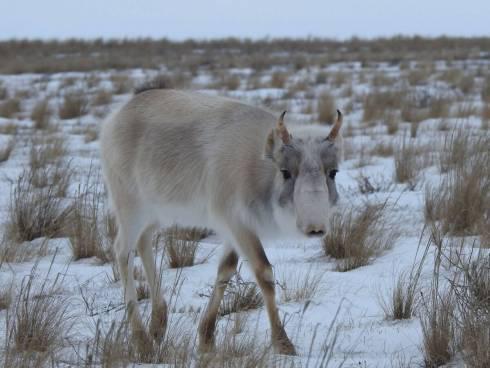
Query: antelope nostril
x=313 y=233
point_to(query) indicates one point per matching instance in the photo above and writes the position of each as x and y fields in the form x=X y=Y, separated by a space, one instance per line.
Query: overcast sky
x=180 y=19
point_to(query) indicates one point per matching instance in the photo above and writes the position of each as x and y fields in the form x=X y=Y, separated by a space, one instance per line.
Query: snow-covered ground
x=365 y=337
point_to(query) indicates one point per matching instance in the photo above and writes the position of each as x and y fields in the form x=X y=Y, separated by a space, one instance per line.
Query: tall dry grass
x=358 y=235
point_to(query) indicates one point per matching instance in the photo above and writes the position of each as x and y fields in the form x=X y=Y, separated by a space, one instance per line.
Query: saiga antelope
x=198 y=160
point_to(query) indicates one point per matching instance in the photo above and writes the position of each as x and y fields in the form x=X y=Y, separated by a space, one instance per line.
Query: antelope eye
x=332 y=174
x=286 y=174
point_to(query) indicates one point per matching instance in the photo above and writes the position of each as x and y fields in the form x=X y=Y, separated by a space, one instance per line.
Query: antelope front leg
x=207 y=326
x=252 y=248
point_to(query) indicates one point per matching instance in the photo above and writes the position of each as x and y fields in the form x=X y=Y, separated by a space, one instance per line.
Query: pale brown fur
x=172 y=156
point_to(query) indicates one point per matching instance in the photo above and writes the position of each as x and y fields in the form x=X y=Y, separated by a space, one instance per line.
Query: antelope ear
x=278 y=134
x=332 y=136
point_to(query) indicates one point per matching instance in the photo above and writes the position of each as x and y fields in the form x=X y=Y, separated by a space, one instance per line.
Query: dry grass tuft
x=39 y=321
x=5 y=297
x=485 y=114
x=41 y=115
x=121 y=83
x=10 y=108
x=391 y=122
x=190 y=233
x=57 y=176
x=3 y=91
x=6 y=150
x=377 y=103
x=473 y=301
x=47 y=151
x=75 y=104
x=460 y=201
x=485 y=92
x=406 y=163
x=34 y=212
x=440 y=107
x=457 y=149
x=401 y=301
x=358 y=235
x=181 y=246
x=86 y=236
x=438 y=329
x=278 y=79
x=383 y=149
x=298 y=286
x=326 y=107
x=102 y=97
x=240 y=295
x=455 y=317
x=9 y=128
x=91 y=134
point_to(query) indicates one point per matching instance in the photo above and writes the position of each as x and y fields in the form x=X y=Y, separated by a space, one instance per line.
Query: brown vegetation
x=358 y=235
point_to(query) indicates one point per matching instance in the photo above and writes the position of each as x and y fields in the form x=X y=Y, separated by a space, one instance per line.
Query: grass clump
x=358 y=235
x=86 y=235
x=181 y=246
x=41 y=115
x=240 y=295
x=300 y=286
x=6 y=150
x=38 y=322
x=9 y=108
x=326 y=107
x=34 y=212
x=75 y=104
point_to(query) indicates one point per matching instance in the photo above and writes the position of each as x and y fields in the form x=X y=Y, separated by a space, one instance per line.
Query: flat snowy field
x=344 y=315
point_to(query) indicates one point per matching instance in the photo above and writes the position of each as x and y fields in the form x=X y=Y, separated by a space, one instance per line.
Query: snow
x=365 y=337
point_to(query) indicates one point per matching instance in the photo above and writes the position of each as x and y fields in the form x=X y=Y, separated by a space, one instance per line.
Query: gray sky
x=180 y=19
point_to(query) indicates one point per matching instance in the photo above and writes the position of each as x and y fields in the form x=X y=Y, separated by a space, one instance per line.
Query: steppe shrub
x=401 y=300
x=326 y=108
x=181 y=246
x=41 y=114
x=299 y=286
x=440 y=107
x=9 y=128
x=391 y=121
x=102 y=97
x=406 y=163
x=3 y=91
x=438 y=329
x=121 y=83
x=86 y=235
x=485 y=92
x=461 y=201
x=6 y=150
x=75 y=104
x=34 y=212
x=485 y=114
x=357 y=235
x=240 y=295
x=278 y=79
x=5 y=297
x=376 y=103
x=10 y=107
x=473 y=302
x=39 y=321
x=46 y=151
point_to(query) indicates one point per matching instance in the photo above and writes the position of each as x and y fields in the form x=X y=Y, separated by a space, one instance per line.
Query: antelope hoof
x=158 y=322
x=284 y=346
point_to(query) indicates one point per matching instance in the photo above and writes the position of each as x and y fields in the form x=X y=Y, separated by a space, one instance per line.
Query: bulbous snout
x=312 y=211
